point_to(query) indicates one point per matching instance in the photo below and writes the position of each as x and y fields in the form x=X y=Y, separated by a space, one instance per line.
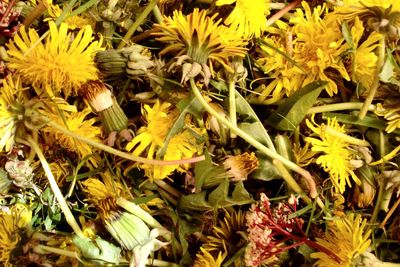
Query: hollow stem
x=137 y=23
x=54 y=187
x=232 y=105
x=289 y=164
x=122 y=154
x=338 y=106
x=375 y=84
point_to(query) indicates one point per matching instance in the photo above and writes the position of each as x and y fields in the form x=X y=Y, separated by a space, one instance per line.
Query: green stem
x=166 y=187
x=137 y=23
x=375 y=84
x=42 y=249
x=345 y=137
x=54 y=187
x=289 y=164
x=160 y=263
x=157 y=14
x=139 y=212
x=291 y=181
x=338 y=106
x=232 y=105
x=122 y=154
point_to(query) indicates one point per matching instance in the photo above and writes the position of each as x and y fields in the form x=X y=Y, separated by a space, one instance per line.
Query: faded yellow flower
x=199 y=42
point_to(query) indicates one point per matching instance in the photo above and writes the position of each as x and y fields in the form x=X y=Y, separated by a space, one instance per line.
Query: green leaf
x=293 y=110
x=217 y=198
x=208 y=174
x=191 y=106
x=266 y=171
x=252 y=124
x=347 y=35
x=98 y=250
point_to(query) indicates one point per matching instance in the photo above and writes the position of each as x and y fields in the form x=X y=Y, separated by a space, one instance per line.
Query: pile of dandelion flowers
x=336 y=156
x=60 y=64
x=318 y=46
x=76 y=122
x=248 y=18
x=199 y=38
x=346 y=236
x=12 y=99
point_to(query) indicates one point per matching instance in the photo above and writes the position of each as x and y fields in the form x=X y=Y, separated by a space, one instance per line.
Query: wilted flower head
x=200 y=41
x=240 y=166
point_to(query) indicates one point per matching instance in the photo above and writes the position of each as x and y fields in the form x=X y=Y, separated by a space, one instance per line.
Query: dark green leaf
x=293 y=110
x=266 y=171
x=218 y=198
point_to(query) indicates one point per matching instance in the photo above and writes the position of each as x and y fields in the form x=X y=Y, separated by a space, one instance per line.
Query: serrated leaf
x=217 y=198
x=293 y=110
x=192 y=106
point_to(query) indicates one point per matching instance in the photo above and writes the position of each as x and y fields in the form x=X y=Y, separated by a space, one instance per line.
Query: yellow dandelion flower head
x=336 y=157
x=200 y=38
x=11 y=110
x=206 y=259
x=61 y=64
x=318 y=45
x=75 y=122
x=347 y=237
x=364 y=58
x=182 y=146
x=12 y=220
x=159 y=119
x=248 y=18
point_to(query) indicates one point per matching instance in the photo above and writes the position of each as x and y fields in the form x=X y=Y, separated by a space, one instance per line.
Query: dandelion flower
x=364 y=59
x=348 y=237
x=199 y=40
x=75 y=122
x=248 y=18
x=181 y=146
x=61 y=64
x=11 y=111
x=159 y=120
x=336 y=156
x=14 y=222
x=318 y=46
